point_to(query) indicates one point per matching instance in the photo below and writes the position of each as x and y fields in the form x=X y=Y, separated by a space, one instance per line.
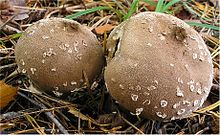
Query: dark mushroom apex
x=57 y=54
x=158 y=67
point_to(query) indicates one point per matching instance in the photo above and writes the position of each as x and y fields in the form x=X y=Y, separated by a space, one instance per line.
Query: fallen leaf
x=7 y=93
x=21 y=13
x=103 y=28
x=9 y=8
x=4 y=4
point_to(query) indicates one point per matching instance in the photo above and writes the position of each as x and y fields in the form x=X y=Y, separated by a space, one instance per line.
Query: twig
x=7 y=57
x=129 y=123
x=152 y=127
x=202 y=131
x=12 y=29
x=49 y=114
x=79 y=122
x=7 y=66
x=215 y=87
x=11 y=18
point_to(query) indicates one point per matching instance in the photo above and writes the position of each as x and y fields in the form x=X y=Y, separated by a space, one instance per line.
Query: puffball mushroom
x=158 y=67
x=57 y=54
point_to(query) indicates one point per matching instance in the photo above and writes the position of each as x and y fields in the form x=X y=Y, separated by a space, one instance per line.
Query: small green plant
x=122 y=14
x=133 y=7
x=84 y=12
x=203 y=25
x=162 y=6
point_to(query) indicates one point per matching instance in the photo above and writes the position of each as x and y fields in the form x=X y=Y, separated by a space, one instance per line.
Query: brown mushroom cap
x=56 y=53
x=160 y=69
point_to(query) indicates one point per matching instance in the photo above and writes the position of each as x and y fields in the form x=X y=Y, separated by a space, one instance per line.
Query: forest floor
x=29 y=112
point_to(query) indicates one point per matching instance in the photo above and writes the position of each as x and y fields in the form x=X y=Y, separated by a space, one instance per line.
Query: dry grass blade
x=34 y=124
x=208 y=108
x=129 y=123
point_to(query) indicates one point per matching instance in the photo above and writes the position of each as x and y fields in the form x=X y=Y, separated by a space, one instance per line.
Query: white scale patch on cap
x=134 y=97
x=163 y=103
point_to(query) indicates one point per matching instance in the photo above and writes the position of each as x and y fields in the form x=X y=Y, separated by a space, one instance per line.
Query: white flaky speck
x=139 y=111
x=49 y=53
x=161 y=37
x=196 y=102
x=22 y=62
x=62 y=47
x=149 y=44
x=181 y=111
x=161 y=115
x=202 y=101
x=173 y=118
x=121 y=86
x=53 y=69
x=191 y=82
x=134 y=97
x=84 y=43
x=201 y=58
x=151 y=87
x=163 y=103
x=180 y=80
x=56 y=88
x=186 y=66
x=131 y=87
x=66 y=45
x=64 y=28
x=195 y=56
x=45 y=37
x=33 y=70
x=146 y=93
x=78 y=57
x=147 y=101
x=43 y=60
x=176 y=105
x=58 y=94
x=52 y=31
x=70 y=50
x=199 y=91
x=156 y=82
x=150 y=29
x=192 y=37
x=45 y=54
x=206 y=90
x=23 y=71
x=172 y=65
x=65 y=84
x=179 y=93
x=138 y=87
x=73 y=83
x=135 y=64
x=186 y=102
x=75 y=48
x=191 y=87
x=113 y=79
